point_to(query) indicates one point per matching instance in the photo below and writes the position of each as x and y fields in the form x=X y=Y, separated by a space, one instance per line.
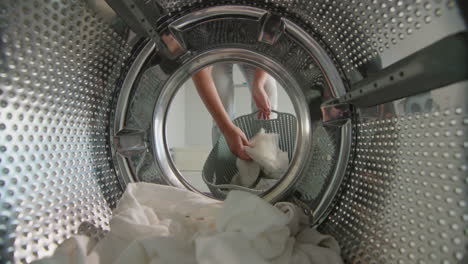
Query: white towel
x=161 y=224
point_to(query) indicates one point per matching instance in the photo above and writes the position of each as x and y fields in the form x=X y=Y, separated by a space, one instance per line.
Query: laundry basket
x=220 y=166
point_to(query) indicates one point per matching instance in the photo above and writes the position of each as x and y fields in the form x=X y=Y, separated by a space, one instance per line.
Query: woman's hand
x=236 y=141
x=262 y=102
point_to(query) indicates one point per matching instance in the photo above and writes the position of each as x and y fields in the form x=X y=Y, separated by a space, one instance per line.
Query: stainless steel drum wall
x=58 y=68
x=405 y=199
x=356 y=32
x=405 y=196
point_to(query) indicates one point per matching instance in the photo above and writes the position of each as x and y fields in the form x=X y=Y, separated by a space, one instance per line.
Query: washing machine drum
x=379 y=91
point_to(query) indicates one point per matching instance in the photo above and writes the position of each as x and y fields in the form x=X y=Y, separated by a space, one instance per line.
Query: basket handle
x=272 y=111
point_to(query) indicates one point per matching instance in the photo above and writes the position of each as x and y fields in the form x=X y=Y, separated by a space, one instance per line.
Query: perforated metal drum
x=85 y=87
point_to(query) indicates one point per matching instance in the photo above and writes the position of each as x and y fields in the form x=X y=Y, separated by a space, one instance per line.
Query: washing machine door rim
x=319 y=60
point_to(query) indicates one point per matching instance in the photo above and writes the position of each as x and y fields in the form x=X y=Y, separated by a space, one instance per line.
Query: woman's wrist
x=258 y=85
x=225 y=125
x=260 y=78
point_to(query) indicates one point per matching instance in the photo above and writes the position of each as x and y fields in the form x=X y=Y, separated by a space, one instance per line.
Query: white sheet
x=161 y=224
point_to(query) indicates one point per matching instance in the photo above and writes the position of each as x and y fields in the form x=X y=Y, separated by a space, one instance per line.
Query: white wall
x=175 y=129
x=198 y=119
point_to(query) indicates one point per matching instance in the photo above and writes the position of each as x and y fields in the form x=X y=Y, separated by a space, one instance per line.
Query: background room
x=189 y=125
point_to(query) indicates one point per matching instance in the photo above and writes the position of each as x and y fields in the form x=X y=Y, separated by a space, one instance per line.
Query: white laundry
x=76 y=250
x=249 y=220
x=153 y=216
x=265 y=184
x=313 y=247
x=267 y=160
x=297 y=220
x=161 y=224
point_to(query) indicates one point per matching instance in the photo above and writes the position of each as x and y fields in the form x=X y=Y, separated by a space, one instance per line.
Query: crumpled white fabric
x=297 y=219
x=152 y=223
x=75 y=250
x=266 y=156
x=313 y=247
x=249 y=171
x=266 y=152
x=265 y=184
x=252 y=221
x=160 y=224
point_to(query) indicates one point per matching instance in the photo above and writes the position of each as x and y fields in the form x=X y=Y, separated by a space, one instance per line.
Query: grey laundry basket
x=220 y=166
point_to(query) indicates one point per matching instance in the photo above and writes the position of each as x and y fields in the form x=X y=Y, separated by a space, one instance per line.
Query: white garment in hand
x=266 y=152
x=266 y=156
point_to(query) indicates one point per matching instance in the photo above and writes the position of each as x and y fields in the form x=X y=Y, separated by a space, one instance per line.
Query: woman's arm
x=206 y=88
x=207 y=91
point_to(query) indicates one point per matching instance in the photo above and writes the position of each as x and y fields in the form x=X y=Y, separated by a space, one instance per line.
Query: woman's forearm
x=260 y=77
x=207 y=91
